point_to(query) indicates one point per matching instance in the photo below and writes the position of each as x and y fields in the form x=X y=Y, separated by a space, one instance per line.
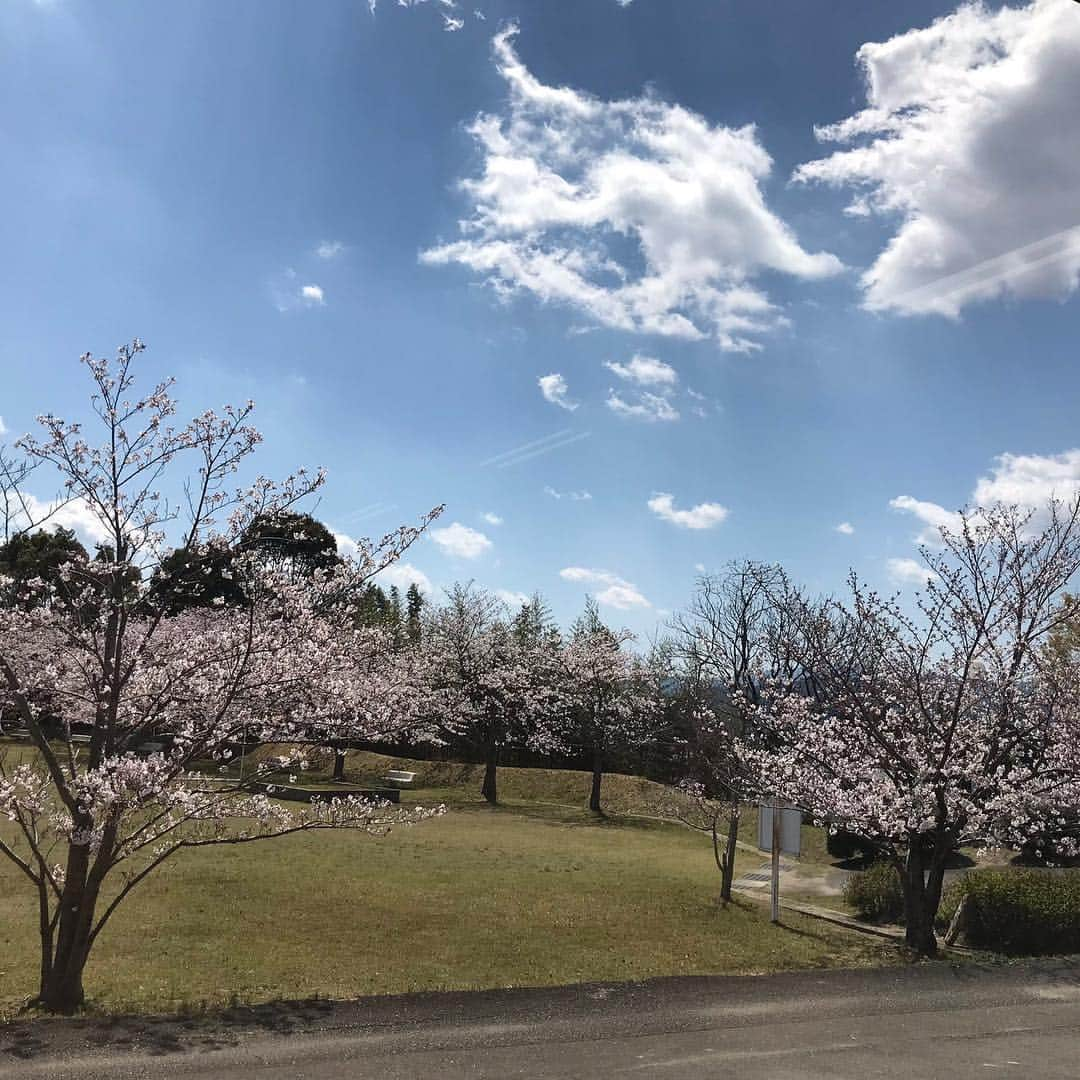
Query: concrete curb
x=848 y=922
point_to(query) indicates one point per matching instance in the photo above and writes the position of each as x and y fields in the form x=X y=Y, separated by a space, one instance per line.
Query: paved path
x=803 y=878
x=933 y=1020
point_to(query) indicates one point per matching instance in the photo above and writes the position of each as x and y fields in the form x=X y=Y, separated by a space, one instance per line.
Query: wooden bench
x=399 y=777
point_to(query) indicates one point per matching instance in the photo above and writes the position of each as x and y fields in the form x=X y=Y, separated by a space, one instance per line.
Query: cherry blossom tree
x=166 y=698
x=709 y=811
x=952 y=724
x=491 y=680
x=726 y=646
x=612 y=698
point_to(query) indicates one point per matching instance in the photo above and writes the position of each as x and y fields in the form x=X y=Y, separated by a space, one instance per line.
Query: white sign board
x=790 y=829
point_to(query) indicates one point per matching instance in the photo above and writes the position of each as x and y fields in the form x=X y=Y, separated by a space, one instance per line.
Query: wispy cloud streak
x=544 y=449
x=555 y=441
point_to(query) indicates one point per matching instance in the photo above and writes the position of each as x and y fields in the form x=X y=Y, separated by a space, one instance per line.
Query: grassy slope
x=528 y=894
x=459 y=785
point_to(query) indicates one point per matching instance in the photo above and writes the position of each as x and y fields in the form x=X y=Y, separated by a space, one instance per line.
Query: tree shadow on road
x=194 y=1029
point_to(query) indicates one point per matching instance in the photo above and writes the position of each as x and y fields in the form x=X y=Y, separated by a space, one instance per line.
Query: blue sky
x=270 y=195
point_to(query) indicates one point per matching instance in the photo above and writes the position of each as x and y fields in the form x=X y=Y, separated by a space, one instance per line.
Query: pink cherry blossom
x=135 y=715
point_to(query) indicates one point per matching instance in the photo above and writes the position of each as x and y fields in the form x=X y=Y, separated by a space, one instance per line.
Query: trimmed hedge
x=1018 y=912
x=876 y=893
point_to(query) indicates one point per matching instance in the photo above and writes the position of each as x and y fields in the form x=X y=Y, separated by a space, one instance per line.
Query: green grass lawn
x=530 y=893
x=458 y=785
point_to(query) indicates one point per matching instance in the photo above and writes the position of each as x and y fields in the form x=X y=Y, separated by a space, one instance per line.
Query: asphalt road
x=935 y=1020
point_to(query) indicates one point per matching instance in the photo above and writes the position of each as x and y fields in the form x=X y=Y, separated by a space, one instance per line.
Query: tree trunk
x=597 y=777
x=61 y=988
x=923 y=879
x=727 y=873
x=339 y=764
x=491 y=765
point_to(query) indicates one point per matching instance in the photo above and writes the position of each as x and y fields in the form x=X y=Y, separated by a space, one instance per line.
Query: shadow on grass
x=829 y=936
x=562 y=814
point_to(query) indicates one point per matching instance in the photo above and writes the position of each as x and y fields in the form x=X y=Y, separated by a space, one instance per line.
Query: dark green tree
x=372 y=606
x=186 y=579
x=293 y=544
x=38 y=555
x=395 y=618
x=534 y=624
x=414 y=610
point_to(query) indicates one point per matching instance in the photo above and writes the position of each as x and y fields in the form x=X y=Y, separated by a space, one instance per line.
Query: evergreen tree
x=371 y=610
x=534 y=623
x=186 y=580
x=414 y=607
x=293 y=543
x=39 y=555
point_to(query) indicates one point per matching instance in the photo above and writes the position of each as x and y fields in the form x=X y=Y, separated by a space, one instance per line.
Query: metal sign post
x=779 y=831
x=776 y=819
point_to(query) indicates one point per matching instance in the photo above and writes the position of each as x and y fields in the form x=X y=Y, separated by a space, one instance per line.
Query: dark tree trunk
x=597 y=778
x=62 y=988
x=490 y=789
x=727 y=872
x=62 y=965
x=339 y=764
x=923 y=876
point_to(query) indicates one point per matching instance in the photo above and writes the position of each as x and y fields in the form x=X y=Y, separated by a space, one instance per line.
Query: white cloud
x=909 y=572
x=3 y=426
x=702 y=516
x=569 y=178
x=933 y=516
x=555 y=390
x=346 y=544
x=373 y=6
x=700 y=407
x=645 y=371
x=289 y=294
x=1030 y=480
x=76 y=515
x=451 y=23
x=573 y=496
x=971 y=142
x=492 y=519
x=650 y=407
x=845 y=528
x=401 y=574
x=512 y=599
x=616 y=592
x=330 y=249
x=460 y=541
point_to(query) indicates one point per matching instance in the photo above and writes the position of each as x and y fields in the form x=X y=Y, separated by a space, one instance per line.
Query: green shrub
x=1019 y=912
x=876 y=893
